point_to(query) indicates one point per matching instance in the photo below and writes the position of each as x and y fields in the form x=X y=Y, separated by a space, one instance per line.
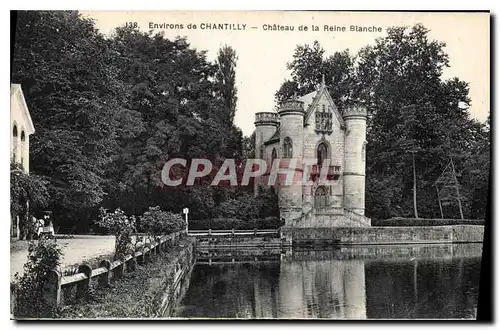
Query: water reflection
x=340 y=284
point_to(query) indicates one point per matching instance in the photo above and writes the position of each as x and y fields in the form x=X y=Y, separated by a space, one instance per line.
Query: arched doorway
x=320 y=198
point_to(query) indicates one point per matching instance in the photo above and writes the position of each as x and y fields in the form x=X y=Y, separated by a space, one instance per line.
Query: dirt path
x=76 y=250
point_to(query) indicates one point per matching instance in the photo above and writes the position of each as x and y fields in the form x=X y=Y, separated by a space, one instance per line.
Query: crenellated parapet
x=355 y=111
x=266 y=118
x=291 y=107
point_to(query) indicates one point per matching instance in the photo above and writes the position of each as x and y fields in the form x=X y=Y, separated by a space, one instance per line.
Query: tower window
x=322 y=153
x=287 y=148
x=274 y=155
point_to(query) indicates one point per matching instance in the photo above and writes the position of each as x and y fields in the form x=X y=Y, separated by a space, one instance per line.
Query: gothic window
x=262 y=151
x=323 y=108
x=320 y=198
x=287 y=148
x=363 y=152
x=274 y=155
x=23 y=137
x=14 y=131
x=321 y=153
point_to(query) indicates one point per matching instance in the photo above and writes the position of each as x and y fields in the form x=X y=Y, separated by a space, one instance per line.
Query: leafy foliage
x=27 y=193
x=158 y=222
x=43 y=256
x=121 y=226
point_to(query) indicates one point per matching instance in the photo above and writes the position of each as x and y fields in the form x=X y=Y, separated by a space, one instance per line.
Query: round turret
x=354 y=158
x=291 y=114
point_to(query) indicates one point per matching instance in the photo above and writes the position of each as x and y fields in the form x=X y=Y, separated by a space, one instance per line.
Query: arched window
x=14 y=143
x=287 y=148
x=23 y=137
x=320 y=198
x=322 y=153
x=274 y=154
x=363 y=152
x=262 y=151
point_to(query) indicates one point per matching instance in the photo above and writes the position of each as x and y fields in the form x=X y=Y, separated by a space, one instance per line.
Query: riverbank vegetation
x=138 y=294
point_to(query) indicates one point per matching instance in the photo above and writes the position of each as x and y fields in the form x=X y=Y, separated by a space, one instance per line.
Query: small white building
x=21 y=127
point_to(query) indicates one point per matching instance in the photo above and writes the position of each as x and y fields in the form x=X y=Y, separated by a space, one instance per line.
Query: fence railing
x=107 y=271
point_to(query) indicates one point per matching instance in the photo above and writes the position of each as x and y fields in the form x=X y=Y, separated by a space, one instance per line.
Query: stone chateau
x=311 y=127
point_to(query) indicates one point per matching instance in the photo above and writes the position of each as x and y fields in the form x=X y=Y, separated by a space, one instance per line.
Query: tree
x=28 y=194
x=225 y=78
x=249 y=146
x=309 y=66
x=64 y=67
x=405 y=68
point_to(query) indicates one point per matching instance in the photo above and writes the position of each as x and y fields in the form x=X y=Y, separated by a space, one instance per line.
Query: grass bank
x=140 y=294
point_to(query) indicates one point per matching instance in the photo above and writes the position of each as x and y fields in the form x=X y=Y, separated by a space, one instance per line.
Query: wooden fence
x=108 y=270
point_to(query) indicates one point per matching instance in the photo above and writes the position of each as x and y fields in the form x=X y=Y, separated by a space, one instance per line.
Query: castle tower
x=265 y=126
x=354 y=158
x=291 y=114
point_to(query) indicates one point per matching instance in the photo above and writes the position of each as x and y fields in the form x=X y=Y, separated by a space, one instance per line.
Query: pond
x=394 y=282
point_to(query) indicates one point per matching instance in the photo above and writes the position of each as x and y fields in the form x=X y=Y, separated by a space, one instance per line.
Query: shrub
x=43 y=257
x=158 y=222
x=242 y=207
x=121 y=226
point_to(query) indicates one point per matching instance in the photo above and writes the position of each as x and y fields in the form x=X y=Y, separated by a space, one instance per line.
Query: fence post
x=145 y=256
x=140 y=259
x=52 y=288
x=104 y=278
x=151 y=251
x=119 y=271
x=82 y=287
x=132 y=264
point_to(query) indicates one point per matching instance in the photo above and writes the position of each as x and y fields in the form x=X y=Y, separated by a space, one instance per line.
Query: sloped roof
x=274 y=138
x=310 y=101
x=314 y=101
x=16 y=91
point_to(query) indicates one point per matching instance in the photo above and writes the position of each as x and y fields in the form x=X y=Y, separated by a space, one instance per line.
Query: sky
x=262 y=55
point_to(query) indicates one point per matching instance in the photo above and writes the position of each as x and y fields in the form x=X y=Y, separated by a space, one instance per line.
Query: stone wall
x=386 y=235
x=169 y=287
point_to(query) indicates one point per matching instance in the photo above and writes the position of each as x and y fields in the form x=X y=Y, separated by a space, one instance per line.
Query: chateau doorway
x=320 y=198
